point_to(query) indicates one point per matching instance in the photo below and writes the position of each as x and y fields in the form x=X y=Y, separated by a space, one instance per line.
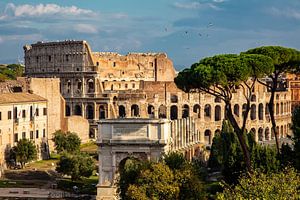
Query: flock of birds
x=186 y=32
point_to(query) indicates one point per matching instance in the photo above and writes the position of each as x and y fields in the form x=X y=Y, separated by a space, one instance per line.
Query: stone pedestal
x=106 y=193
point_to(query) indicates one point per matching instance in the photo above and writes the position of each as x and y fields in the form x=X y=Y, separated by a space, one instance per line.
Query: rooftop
x=20 y=98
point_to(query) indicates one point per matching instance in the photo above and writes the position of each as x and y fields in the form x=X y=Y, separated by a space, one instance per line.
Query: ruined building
x=98 y=85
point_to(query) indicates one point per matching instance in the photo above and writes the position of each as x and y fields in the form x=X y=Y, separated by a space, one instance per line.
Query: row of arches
x=262 y=134
x=89 y=111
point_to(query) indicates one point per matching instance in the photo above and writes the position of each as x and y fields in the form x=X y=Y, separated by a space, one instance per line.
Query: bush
x=66 y=141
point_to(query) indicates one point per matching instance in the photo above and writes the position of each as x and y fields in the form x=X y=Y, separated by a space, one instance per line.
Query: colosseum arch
x=197 y=110
x=207 y=111
x=135 y=111
x=253 y=112
x=267 y=109
x=79 y=85
x=150 y=110
x=253 y=131
x=69 y=86
x=78 y=110
x=90 y=85
x=260 y=134
x=236 y=110
x=260 y=111
x=122 y=111
x=207 y=136
x=174 y=112
x=217 y=100
x=253 y=98
x=90 y=111
x=217 y=113
x=185 y=111
x=174 y=98
x=267 y=134
x=277 y=109
x=281 y=108
x=162 y=111
x=102 y=112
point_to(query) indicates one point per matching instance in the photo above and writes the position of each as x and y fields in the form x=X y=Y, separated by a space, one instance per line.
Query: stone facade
x=98 y=85
x=23 y=115
x=294 y=85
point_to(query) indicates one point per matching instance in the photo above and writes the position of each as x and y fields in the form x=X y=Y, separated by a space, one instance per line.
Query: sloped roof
x=20 y=98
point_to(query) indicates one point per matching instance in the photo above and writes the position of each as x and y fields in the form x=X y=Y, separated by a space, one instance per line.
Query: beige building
x=101 y=85
x=23 y=115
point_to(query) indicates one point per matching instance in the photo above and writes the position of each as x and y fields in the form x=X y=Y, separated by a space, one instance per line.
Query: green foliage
x=292 y=155
x=282 y=185
x=76 y=166
x=226 y=155
x=66 y=141
x=175 y=160
x=11 y=72
x=25 y=151
x=148 y=180
x=223 y=71
x=265 y=158
x=284 y=59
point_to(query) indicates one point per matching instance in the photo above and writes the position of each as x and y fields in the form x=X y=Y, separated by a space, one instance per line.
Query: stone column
x=95 y=111
x=83 y=87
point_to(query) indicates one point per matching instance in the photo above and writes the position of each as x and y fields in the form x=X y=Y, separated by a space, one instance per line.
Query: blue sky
x=186 y=30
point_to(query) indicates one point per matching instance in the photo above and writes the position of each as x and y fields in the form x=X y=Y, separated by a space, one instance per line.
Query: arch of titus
x=110 y=87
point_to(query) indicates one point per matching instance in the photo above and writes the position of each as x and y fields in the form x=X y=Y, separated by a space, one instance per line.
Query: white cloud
x=195 y=5
x=42 y=9
x=85 y=28
x=287 y=12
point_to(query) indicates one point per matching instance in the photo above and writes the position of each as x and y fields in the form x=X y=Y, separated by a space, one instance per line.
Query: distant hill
x=10 y=71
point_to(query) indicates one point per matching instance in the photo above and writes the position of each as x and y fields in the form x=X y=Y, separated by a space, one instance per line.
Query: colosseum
x=105 y=85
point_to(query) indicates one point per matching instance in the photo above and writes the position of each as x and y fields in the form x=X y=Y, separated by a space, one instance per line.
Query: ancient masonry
x=102 y=85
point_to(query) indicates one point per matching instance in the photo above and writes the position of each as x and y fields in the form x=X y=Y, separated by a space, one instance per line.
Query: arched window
x=260 y=134
x=102 y=114
x=90 y=112
x=253 y=112
x=78 y=110
x=207 y=111
x=277 y=108
x=151 y=111
x=253 y=98
x=267 y=134
x=217 y=113
x=237 y=110
x=135 y=111
x=196 y=110
x=122 y=111
x=174 y=112
x=174 y=98
x=90 y=83
x=260 y=111
x=185 y=111
x=253 y=131
x=217 y=100
x=207 y=137
x=162 y=111
x=281 y=108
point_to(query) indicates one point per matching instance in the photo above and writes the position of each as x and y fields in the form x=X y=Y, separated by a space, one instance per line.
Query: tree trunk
x=271 y=112
x=240 y=134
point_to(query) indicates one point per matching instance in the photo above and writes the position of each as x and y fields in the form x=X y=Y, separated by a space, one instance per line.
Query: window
x=0 y=116
x=126 y=85
x=49 y=58
x=44 y=132
x=37 y=112
x=44 y=111
x=114 y=64
x=23 y=135
x=23 y=113
x=37 y=133
x=133 y=85
x=31 y=135
x=9 y=115
x=16 y=137
x=67 y=58
x=97 y=63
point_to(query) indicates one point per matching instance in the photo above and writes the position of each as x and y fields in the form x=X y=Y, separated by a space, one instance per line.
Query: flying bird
x=210 y=24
